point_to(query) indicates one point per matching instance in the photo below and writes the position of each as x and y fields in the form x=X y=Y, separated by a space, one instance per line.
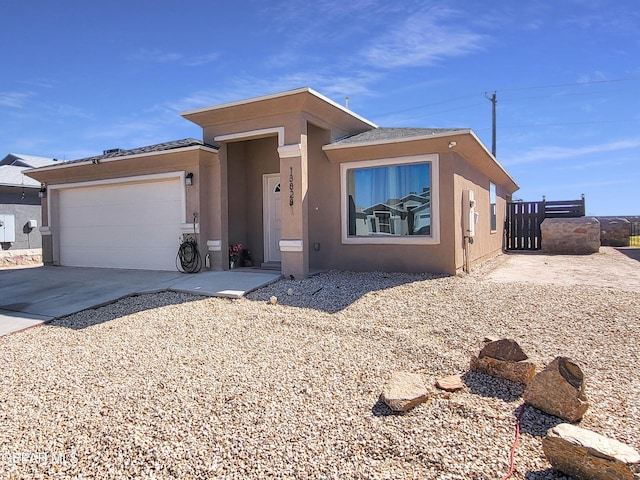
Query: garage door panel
x=122 y=225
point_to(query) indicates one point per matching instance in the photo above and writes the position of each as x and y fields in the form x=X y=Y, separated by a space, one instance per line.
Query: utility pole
x=493 y=101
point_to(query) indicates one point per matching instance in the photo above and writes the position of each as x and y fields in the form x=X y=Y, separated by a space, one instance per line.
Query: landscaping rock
x=404 y=391
x=520 y=372
x=504 y=359
x=503 y=349
x=451 y=383
x=585 y=454
x=614 y=231
x=559 y=390
x=570 y=236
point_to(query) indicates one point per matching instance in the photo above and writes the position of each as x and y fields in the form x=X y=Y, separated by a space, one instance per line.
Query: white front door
x=271 y=217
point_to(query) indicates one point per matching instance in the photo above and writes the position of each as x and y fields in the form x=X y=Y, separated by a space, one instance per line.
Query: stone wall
x=571 y=236
x=614 y=231
x=15 y=258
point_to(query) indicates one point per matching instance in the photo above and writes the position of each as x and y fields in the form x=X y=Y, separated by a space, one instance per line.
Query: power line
x=588 y=82
x=535 y=87
x=563 y=124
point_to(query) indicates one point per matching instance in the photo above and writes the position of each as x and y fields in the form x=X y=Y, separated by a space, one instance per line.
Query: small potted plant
x=235 y=252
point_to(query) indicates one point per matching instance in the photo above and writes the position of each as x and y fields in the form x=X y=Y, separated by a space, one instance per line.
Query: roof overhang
x=76 y=163
x=301 y=100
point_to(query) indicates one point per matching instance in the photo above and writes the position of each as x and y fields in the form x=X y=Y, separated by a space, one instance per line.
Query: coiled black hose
x=188 y=259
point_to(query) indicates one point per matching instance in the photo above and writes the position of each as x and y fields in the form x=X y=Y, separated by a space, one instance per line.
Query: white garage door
x=133 y=225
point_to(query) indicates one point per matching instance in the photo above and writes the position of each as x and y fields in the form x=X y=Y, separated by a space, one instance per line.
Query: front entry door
x=271 y=217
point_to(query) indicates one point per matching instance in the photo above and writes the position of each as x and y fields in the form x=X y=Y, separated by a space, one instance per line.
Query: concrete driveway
x=31 y=296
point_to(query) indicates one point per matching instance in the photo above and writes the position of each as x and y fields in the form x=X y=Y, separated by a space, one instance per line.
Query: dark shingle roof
x=159 y=147
x=382 y=134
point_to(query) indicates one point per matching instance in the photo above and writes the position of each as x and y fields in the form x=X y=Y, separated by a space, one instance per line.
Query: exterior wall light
x=452 y=144
x=188 y=179
x=43 y=191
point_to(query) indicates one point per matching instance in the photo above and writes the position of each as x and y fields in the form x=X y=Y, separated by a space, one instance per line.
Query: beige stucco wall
x=325 y=218
x=486 y=243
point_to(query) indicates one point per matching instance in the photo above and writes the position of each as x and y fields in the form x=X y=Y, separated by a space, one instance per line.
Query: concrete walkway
x=31 y=296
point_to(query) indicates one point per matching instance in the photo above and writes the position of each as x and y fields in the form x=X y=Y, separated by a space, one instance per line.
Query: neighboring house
x=20 y=212
x=299 y=180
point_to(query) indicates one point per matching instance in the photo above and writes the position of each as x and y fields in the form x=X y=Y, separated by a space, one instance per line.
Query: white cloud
x=544 y=154
x=200 y=60
x=14 y=99
x=423 y=39
x=159 y=56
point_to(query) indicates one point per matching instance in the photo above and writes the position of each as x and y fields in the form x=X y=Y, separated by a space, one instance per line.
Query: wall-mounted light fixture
x=452 y=144
x=188 y=179
x=43 y=191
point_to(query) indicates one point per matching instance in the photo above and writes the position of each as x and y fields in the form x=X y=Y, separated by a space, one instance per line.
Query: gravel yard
x=177 y=386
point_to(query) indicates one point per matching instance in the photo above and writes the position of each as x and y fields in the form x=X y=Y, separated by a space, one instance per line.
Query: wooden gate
x=522 y=225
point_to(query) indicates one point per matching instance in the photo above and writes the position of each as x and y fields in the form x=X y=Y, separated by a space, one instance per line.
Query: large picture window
x=390 y=201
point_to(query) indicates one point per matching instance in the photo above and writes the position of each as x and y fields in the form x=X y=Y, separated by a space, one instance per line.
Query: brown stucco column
x=45 y=232
x=216 y=200
x=294 y=181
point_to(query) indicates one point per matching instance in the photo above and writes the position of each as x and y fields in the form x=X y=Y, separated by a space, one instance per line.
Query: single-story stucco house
x=299 y=180
x=20 y=212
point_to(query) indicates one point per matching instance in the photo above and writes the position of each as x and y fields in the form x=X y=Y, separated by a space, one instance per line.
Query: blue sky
x=79 y=77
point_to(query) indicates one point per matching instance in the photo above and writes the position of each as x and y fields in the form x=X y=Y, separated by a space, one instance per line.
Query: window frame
x=432 y=239
x=493 y=208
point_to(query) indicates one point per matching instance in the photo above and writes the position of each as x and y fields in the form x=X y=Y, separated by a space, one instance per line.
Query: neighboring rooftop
x=28 y=161
x=159 y=147
x=12 y=176
x=12 y=165
x=382 y=134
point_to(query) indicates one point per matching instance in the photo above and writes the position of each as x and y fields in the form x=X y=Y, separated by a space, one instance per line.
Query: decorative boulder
x=614 y=231
x=570 y=236
x=559 y=390
x=504 y=359
x=404 y=391
x=584 y=454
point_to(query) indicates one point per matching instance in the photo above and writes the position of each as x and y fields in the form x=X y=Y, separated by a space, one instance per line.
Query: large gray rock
x=404 y=391
x=570 y=236
x=504 y=359
x=614 y=231
x=559 y=390
x=587 y=455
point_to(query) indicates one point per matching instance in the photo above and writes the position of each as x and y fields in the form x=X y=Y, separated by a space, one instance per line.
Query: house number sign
x=291 y=186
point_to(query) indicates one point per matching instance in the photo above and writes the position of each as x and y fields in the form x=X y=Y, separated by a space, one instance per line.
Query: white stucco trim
x=214 y=245
x=261 y=133
x=291 y=245
x=290 y=151
x=188 y=228
x=433 y=239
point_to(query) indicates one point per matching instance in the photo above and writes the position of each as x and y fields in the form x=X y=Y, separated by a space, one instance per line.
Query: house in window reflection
x=409 y=215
